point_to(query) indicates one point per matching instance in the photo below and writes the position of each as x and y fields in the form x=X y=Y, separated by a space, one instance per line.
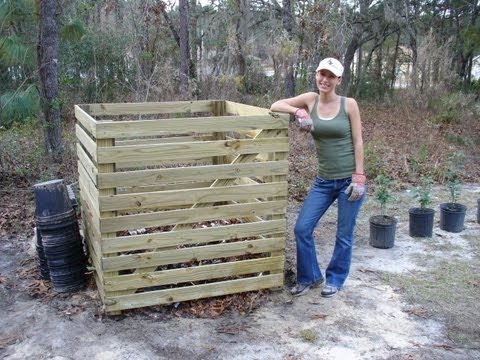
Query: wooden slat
x=88 y=191
x=243 y=109
x=140 y=165
x=135 y=128
x=150 y=108
x=88 y=144
x=183 y=255
x=86 y=120
x=88 y=165
x=187 y=151
x=192 y=274
x=161 y=140
x=193 y=215
x=191 y=196
x=166 y=187
x=200 y=173
x=115 y=303
x=192 y=236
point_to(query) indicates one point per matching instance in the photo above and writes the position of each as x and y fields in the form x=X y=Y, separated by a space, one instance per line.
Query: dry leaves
x=39 y=288
x=420 y=312
x=4 y=342
x=318 y=316
x=243 y=303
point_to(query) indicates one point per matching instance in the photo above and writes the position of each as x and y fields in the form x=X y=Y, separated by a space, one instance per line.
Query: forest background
x=413 y=67
x=410 y=64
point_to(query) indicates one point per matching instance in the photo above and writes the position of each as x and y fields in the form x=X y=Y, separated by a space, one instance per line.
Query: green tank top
x=333 y=140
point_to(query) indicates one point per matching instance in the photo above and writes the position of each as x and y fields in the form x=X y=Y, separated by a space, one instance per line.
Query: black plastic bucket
x=52 y=198
x=421 y=222
x=382 y=231
x=42 y=259
x=60 y=237
x=452 y=217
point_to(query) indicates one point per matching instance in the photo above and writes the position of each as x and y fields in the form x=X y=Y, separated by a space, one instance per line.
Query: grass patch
x=449 y=292
x=308 y=335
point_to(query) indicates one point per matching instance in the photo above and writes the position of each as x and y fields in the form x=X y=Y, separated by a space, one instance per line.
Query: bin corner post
x=219 y=109
x=277 y=156
x=107 y=168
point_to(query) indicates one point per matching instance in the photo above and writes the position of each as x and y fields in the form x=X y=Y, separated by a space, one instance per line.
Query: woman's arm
x=291 y=105
x=356 y=124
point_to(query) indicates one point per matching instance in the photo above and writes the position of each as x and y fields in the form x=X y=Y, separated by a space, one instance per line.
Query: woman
x=335 y=124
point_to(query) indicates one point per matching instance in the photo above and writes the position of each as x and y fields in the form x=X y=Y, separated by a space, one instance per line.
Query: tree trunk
x=47 y=66
x=184 y=50
x=240 y=39
x=288 y=26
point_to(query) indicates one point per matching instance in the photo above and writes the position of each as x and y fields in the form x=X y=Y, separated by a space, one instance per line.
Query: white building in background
x=476 y=68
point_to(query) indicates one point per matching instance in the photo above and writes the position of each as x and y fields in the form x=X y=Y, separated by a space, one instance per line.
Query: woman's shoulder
x=350 y=103
x=309 y=97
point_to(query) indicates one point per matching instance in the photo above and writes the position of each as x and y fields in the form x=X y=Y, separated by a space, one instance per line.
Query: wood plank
x=149 y=163
x=88 y=192
x=193 y=215
x=194 y=253
x=136 y=128
x=187 y=151
x=191 y=196
x=196 y=273
x=161 y=140
x=141 y=108
x=88 y=165
x=88 y=122
x=167 y=296
x=197 y=173
x=166 y=187
x=245 y=110
x=87 y=142
x=170 y=239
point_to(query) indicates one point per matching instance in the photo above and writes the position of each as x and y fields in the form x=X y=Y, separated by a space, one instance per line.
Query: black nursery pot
x=382 y=231
x=421 y=222
x=452 y=217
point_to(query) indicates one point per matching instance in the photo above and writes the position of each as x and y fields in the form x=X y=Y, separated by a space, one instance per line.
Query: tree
x=184 y=50
x=48 y=42
x=288 y=26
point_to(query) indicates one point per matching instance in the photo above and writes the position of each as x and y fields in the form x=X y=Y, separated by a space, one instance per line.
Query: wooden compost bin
x=182 y=200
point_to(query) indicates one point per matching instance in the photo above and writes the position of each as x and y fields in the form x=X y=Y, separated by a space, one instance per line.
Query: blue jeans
x=322 y=194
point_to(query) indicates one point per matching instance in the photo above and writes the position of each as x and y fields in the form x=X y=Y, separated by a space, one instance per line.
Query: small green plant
x=375 y=165
x=456 y=162
x=423 y=192
x=382 y=191
x=308 y=335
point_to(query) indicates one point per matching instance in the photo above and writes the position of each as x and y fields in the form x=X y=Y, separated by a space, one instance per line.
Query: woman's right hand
x=304 y=120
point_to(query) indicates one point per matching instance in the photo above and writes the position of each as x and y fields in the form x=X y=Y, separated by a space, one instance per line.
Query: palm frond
x=14 y=52
x=73 y=31
x=16 y=106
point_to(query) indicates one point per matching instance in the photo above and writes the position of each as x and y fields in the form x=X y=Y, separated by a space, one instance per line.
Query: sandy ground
x=368 y=319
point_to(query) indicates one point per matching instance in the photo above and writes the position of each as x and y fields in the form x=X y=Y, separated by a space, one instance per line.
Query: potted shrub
x=382 y=226
x=452 y=213
x=421 y=218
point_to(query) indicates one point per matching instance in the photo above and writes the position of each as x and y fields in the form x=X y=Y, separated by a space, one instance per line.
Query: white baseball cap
x=332 y=65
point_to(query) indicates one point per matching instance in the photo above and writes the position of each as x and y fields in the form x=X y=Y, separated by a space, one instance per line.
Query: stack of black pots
x=59 y=243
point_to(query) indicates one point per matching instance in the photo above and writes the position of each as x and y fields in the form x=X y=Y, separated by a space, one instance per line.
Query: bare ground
x=371 y=318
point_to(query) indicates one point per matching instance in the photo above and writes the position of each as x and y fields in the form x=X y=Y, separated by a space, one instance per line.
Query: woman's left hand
x=357 y=188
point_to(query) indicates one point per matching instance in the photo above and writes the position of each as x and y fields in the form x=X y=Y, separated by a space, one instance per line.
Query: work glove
x=357 y=187
x=304 y=120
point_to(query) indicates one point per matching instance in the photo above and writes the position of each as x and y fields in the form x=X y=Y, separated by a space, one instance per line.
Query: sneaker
x=301 y=289
x=329 y=291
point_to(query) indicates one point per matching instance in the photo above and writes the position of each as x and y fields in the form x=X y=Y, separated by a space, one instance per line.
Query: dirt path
x=369 y=319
